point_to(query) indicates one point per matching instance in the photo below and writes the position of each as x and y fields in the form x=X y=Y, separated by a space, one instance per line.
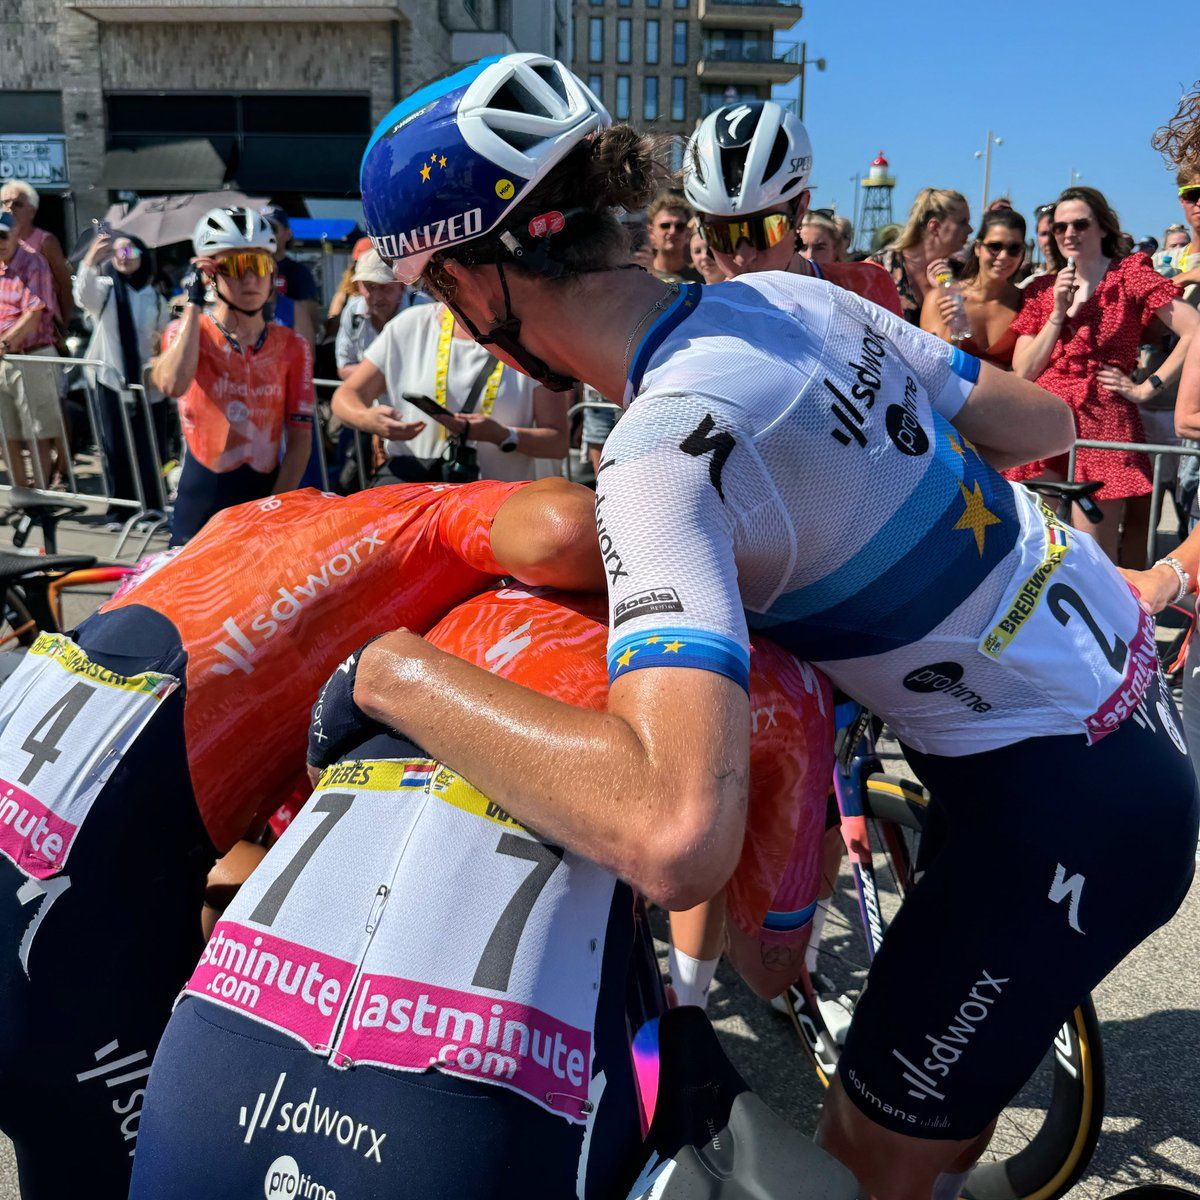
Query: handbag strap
x=478 y=386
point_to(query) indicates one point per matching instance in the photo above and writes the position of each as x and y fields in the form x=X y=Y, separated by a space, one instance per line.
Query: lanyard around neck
x=442 y=371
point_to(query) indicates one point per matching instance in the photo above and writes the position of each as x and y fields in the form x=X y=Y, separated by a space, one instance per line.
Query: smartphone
x=103 y=228
x=429 y=406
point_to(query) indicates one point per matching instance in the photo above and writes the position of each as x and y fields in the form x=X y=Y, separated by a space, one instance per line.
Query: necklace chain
x=659 y=304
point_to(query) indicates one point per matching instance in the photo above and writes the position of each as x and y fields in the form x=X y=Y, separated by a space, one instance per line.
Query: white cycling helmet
x=746 y=157
x=223 y=229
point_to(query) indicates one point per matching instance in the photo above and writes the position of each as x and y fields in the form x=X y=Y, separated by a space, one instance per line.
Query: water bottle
x=958 y=325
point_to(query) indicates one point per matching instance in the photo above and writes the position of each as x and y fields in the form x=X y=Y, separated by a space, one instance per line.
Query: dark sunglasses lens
x=1191 y=195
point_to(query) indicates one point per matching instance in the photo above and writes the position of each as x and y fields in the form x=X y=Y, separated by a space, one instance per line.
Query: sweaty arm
x=655 y=788
x=1010 y=420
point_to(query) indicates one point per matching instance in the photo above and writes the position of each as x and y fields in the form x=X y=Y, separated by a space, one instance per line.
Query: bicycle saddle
x=712 y=1138
x=25 y=500
x=22 y=566
x=1073 y=490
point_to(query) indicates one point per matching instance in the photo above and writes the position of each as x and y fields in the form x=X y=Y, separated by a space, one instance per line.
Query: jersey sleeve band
x=703 y=650
x=964 y=374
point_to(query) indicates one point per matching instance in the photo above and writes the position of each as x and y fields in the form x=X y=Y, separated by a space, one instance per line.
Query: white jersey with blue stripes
x=789 y=461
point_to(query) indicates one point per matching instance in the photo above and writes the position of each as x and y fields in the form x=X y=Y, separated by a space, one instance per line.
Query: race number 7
x=496 y=961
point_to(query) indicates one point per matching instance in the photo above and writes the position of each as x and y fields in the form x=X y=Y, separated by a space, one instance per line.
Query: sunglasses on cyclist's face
x=995 y=249
x=246 y=262
x=1190 y=194
x=762 y=232
x=1080 y=225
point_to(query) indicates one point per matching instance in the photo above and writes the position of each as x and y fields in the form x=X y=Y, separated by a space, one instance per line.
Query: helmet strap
x=505 y=335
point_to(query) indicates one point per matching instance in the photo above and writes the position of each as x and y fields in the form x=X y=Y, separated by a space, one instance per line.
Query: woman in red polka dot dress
x=1078 y=337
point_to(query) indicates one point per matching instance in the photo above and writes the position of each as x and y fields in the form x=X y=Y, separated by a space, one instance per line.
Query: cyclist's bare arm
x=654 y=789
x=1012 y=421
x=175 y=367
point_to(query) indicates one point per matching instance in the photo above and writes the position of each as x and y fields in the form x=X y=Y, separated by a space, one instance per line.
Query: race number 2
x=1060 y=597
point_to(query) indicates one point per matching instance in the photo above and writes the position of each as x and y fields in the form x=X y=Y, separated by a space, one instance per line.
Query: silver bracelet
x=1185 y=580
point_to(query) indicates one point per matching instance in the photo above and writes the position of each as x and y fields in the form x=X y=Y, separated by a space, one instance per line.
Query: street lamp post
x=986 y=155
x=805 y=62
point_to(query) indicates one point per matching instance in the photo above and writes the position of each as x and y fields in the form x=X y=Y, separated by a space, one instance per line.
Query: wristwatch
x=510 y=442
x=1155 y=382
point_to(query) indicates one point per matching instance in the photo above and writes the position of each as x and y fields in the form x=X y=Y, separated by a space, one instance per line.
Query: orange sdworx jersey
x=233 y=413
x=555 y=643
x=272 y=595
x=866 y=279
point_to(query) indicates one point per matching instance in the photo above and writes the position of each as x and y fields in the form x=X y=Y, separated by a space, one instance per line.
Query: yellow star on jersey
x=673 y=647
x=425 y=173
x=442 y=162
x=955 y=446
x=626 y=658
x=976 y=517
x=433 y=157
x=650 y=641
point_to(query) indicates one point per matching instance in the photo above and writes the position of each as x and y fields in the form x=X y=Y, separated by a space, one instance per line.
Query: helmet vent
x=513 y=97
x=733 y=168
x=778 y=154
x=550 y=76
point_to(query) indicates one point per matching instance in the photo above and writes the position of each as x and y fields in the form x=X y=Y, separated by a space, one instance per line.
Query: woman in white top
x=513 y=422
x=128 y=316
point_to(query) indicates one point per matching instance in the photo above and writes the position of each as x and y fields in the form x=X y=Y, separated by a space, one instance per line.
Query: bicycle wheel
x=1045 y=1138
x=17 y=626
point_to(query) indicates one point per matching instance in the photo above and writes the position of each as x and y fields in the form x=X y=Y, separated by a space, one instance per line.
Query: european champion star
x=425 y=173
x=976 y=517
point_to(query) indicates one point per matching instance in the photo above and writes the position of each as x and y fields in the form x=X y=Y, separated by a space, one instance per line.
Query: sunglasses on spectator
x=668 y=224
x=15 y=202
x=761 y=232
x=1080 y=225
x=995 y=249
x=3 y=236
x=1191 y=194
x=246 y=262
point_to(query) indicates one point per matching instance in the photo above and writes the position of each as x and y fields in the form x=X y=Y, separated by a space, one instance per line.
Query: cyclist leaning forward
x=757 y=408
x=240 y=380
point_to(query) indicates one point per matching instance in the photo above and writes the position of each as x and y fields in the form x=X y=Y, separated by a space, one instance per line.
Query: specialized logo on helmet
x=736 y=125
x=429 y=237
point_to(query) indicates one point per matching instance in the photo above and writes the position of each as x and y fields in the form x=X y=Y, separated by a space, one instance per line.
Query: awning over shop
x=190 y=165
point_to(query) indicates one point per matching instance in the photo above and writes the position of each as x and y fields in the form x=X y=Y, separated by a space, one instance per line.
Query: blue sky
x=925 y=79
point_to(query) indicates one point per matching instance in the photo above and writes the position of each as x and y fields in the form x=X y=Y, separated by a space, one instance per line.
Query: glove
x=337 y=723
x=195 y=287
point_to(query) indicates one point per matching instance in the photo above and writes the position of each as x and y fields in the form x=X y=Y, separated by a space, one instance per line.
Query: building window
x=681 y=3
x=622 y=113
x=677 y=148
x=679 y=44
x=678 y=98
x=596 y=83
x=652 y=41
x=595 y=3
x=624 y=40
x=653 y=3
x=650 y=98
x=624 y=3
x=595 y=39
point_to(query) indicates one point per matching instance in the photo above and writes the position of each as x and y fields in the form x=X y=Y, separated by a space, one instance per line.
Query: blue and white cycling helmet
x=448 y=164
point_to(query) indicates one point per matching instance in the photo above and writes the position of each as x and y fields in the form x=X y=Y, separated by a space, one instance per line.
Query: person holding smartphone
x=516 y=426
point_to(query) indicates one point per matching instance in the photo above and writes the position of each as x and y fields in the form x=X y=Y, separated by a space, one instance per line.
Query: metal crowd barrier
x=148 y=512
x=581 y=408
x=360 y=463
x=1157 y=451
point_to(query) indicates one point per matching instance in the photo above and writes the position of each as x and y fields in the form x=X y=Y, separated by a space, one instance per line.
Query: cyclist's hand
x=386 y=422
x=1155 y=588
x=337 y=723
x=195 y=284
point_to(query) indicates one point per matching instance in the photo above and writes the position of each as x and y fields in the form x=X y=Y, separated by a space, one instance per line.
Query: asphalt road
x=1150 y=1014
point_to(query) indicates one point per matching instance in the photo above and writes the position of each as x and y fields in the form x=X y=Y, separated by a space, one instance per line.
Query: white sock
x=814 y=936
x=692 y=977
x=949 y=1187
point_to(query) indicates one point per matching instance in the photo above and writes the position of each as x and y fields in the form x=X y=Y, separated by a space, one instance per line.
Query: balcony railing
x=762 y=3
x=710 y=103
x=750 y=52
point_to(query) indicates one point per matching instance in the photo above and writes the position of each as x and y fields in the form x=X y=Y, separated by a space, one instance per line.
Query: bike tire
x=17 y=625
x=1068 y=1089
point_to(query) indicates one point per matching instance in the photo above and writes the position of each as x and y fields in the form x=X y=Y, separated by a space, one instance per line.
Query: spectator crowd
x=198 y=390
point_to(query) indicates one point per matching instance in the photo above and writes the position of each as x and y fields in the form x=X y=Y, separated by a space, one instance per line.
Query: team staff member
x=240 y=381
x=755 y=409
x=745 y=172
x=514 y=423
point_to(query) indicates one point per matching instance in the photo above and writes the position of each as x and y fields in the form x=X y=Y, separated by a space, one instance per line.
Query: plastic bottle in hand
x=958 y=326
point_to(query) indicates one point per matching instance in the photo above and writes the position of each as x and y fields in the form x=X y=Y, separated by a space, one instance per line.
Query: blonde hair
x=822 y=222
x=26 y=189
x=931 y=204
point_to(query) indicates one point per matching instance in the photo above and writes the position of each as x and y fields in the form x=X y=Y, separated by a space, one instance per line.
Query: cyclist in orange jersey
x=240 y=380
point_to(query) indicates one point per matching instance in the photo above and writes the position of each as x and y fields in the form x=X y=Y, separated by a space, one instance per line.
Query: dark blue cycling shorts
x=254 y=1112
x=1044 y=864
x=116 y=937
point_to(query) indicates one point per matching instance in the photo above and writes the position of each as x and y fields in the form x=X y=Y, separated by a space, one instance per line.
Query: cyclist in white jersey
x=796 y=458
